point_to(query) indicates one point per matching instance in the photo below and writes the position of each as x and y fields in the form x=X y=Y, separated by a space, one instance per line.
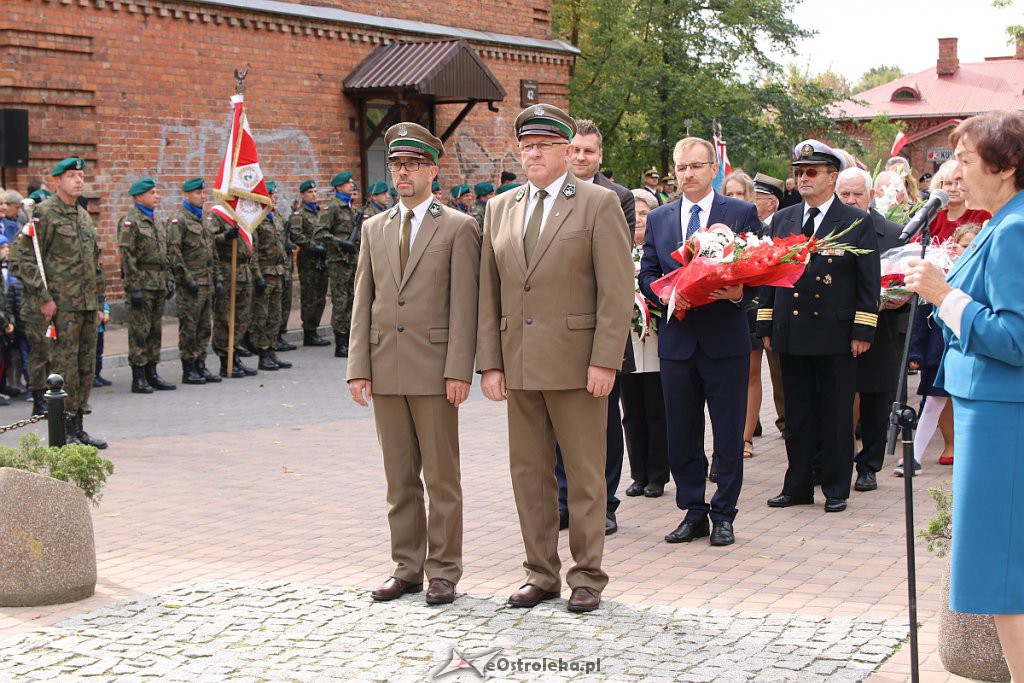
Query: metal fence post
x=55 y=397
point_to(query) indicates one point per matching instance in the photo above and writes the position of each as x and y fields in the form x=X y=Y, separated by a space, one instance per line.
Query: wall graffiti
x=476 y=164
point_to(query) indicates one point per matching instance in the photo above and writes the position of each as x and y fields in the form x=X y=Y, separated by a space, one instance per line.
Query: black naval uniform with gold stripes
x=811 y=326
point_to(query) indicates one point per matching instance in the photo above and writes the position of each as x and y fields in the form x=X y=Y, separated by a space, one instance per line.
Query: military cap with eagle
x=545 y=119
x=69 y=164
x=813 y=151
x=411 y=139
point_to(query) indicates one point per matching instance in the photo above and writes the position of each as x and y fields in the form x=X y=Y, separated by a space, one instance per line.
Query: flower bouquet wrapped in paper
x=894 y=266
x=717 y=257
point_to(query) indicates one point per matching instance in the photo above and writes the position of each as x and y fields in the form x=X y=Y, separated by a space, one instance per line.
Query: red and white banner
x=241 y=188
x=899 y=143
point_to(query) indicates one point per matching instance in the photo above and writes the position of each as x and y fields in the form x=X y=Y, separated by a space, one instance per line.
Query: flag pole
x=239 y=90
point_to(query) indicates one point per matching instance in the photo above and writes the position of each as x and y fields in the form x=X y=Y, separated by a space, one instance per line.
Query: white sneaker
x=899 y=469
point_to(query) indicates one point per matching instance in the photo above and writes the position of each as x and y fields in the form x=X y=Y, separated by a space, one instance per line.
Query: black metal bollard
x=55 y=397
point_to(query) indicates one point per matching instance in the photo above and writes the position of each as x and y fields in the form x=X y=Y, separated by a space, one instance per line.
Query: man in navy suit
x=705 y=357
x=819 y=327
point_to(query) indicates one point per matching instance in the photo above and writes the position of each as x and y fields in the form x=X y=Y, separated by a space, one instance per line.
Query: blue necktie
x=694 y=224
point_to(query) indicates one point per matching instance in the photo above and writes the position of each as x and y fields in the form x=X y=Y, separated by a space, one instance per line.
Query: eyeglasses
x=696 y=166
x=410 y=166
x=542 y=146
x=809 y=172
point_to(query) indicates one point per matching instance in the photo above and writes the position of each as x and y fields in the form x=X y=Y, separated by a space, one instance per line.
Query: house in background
x=931 y=102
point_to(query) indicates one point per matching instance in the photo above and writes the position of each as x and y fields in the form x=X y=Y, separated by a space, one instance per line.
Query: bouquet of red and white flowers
x=717 y=257
x=894 y=266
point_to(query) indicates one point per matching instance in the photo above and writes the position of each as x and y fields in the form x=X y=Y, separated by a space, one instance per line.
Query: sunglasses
x=809 y=172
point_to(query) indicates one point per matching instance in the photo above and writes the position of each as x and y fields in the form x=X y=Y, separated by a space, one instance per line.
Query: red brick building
x=142 y=87
x=932 y=102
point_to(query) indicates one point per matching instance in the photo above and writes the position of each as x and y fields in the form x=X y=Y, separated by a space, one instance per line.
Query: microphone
x=924 y=215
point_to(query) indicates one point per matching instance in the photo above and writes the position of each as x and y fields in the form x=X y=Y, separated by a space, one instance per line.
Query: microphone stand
x=903 y=421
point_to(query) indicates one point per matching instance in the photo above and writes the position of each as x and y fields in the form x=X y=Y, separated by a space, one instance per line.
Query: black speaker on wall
x=13 y=138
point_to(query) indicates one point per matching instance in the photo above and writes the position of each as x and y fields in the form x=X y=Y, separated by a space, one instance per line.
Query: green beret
x=545 y=119
x=355 y=185
x=40 y=195
x=393 y=192
x=271 y=187
x=141 y=185
x=379 y=187
x=480 y=189
x=341 y=178
x=412 y=139
x=507 y=186
x=192 y=184
x=460 y=190
x=307 y=185
x=69 y=164
x=435 y=186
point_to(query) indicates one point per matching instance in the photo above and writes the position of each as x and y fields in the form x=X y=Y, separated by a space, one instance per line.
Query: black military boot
x=247 y=349
x=283 y=345
x=340 y=345
x=266 y=362
x=156 y=381
x=283 y=364
x=311 y=338
x=235 y=371
x=189 y=374
x=204 y=373
x=239 y=365
x=139 y=383
x=38 y=402
x=71 y=429
x=83 y=436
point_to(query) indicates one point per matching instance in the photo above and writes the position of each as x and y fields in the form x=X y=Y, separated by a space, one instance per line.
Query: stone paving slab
x=279 y=630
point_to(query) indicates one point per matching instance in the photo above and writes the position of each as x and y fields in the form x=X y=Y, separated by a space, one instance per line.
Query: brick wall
x=141 y=88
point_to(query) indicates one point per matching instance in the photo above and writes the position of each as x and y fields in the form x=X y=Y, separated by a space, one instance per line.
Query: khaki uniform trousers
x=420 y=434
x=576 y=421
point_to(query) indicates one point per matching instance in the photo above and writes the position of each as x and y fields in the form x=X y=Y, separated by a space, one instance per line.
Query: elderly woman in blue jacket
x=981 y=309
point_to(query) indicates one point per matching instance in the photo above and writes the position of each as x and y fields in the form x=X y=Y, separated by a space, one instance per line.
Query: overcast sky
x=852 y=37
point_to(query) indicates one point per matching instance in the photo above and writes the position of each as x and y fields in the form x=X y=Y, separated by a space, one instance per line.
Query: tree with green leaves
x=653 y=71
x=878 y=75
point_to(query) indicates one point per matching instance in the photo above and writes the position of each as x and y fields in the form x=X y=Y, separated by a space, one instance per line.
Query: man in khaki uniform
x=412 y=347
x=70 y=292
x=556 y=296
x=147 y=284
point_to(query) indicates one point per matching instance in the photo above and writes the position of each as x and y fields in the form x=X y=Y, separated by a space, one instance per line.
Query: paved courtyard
x=246 y=522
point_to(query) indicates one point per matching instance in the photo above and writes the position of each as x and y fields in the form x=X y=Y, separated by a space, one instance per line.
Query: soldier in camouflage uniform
x=273 y=260
x=72 y=294
x=40 y=347
x=247 y=279
x=312 y=267
x=483 y=192
x=147 y=285
x=190 y=257
x=377 y=201
x=336 y=231
x=282 y=343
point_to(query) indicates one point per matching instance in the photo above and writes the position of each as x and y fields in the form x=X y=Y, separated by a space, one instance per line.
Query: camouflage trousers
x=343 y=278
x=266 y=314
x=144 y=327
x=312 y=295
x=243 y=316
x=286 y=305
x=195 y=322
x=74 y=356
x=40 y=349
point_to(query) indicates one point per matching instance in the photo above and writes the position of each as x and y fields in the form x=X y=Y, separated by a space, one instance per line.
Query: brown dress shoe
x=395 y=588
x=440 y=592
x=530 y=596
x=584 y=599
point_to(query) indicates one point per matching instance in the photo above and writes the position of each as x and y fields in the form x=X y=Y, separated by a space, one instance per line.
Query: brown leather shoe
x=395 y=588
x=440 y=592
x=530 y=596
x=584 y=599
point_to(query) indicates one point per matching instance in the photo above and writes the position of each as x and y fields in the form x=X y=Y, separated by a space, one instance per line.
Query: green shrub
x=74 y=463
x=939 y=531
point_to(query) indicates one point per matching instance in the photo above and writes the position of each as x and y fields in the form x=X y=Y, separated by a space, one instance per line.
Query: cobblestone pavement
x=278 y=630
